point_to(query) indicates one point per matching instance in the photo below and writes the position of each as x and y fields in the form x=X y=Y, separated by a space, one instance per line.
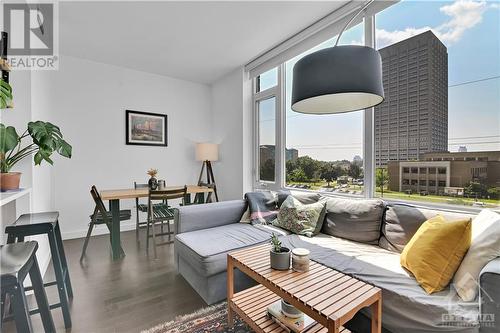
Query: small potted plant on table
x=280 y=256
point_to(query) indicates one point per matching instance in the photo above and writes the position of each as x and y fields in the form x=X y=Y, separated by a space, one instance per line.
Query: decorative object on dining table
x=162 y=184
x=146 y=128
x=153 y=182
x=280 y=255
x=207 y=153
x=300 y=259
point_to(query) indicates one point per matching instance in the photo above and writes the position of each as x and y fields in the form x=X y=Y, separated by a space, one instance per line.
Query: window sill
x=419 y=204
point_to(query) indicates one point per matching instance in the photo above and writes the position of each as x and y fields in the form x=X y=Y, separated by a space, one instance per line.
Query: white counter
x=9 y=196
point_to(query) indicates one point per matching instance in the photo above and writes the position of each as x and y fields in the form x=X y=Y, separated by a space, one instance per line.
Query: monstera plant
x=40 y=139
x=5 y=95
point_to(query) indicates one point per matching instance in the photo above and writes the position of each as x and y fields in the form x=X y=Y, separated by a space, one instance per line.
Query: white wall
x=87 y=100
x=232 y=129
x=19 y=116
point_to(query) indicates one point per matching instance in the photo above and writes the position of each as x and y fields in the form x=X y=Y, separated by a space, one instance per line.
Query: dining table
x=114 y=197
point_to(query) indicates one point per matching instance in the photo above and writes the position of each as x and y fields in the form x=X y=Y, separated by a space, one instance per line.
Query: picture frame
x=146 y=128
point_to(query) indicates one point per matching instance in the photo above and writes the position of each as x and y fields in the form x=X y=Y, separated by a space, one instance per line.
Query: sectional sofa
x=362 y=238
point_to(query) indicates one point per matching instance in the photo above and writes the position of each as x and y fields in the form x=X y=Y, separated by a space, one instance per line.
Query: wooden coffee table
x=328 y=296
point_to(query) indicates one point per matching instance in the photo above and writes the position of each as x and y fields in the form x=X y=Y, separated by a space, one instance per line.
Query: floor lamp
x=207 y=153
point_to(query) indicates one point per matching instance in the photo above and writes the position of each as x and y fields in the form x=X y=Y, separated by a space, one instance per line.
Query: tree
x=298 y=175
x=309 y=165
x=494 y=192
x=354 y=171
x=476 y=189
x=381 y=179
x=329 y=172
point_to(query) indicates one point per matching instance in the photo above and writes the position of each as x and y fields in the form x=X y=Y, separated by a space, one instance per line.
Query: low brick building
x=438 y=173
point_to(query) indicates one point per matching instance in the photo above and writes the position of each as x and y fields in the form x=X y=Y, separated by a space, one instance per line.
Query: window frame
x=279 y=92
x=258 y=96
x=369 y=169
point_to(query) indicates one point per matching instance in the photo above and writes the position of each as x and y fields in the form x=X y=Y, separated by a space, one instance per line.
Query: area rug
x=212 y=319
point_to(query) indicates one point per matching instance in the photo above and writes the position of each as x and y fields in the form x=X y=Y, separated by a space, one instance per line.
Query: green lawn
x=319 y=185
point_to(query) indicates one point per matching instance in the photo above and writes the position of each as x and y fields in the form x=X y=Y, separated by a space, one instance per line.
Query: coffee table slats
x=330 y=297
x=256 y=311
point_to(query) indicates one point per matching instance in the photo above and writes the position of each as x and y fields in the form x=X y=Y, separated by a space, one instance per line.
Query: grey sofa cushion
x=206 y=250
x=357 y=220
x=305 y=198
x=406 y=307
x=401 y=222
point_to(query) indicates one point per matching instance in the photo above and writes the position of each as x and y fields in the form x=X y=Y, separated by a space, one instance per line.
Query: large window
x=267 y=139
x=441 y=73
x=266 y=98
x=436 y=137
x=324 y=152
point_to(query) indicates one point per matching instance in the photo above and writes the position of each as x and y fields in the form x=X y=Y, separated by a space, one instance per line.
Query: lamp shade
x=338 y=79
x=207 y=152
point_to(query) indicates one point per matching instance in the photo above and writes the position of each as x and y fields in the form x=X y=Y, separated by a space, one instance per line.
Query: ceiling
x=195 y=41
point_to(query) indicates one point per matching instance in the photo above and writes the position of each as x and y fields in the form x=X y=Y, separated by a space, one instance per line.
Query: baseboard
x=98 y=230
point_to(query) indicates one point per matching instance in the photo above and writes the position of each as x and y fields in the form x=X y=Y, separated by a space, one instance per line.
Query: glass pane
x=267 y=80
x=267 y=139
x=324 y=152
x=440 y=118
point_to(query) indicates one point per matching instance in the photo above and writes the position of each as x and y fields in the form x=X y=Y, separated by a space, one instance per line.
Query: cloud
x=463 y=15
x=385 y=37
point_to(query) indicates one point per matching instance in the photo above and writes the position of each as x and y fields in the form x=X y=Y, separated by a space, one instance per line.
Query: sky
x=471 y=32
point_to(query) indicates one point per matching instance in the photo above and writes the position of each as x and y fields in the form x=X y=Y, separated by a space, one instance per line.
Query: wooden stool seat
x=16 y=262
x=47 y=223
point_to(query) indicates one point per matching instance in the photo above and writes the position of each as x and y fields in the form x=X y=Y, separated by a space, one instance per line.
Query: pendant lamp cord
x=352 y=19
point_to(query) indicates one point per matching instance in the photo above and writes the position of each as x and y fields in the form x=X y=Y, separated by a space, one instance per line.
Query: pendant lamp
x=338 y=79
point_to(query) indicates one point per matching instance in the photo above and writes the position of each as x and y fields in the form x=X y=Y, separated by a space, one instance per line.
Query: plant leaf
x=5 y=94
x=48 y=138
x=8 y=138
x=65 y=149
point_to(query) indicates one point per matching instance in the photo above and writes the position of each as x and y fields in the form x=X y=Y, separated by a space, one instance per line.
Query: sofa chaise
x=362 y=238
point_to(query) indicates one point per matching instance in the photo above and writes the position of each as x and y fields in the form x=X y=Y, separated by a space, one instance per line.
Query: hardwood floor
x=135 y=293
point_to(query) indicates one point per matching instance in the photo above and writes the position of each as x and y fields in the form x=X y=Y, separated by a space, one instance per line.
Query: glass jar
x=300 y=259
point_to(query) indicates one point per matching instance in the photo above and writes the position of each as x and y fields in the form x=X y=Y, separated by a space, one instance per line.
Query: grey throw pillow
x=355 y=219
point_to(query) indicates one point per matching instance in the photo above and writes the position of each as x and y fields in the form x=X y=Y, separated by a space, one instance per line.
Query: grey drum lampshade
x=338 y=79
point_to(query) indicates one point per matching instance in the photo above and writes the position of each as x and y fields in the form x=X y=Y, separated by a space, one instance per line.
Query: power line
x=475 y=137
x=473 y=81
x=473 y=143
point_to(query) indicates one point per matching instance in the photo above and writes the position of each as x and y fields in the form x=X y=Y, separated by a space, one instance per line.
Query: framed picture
x=145 y=128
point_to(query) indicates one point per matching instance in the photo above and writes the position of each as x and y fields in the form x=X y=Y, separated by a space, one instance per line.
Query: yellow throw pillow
x=436 y=250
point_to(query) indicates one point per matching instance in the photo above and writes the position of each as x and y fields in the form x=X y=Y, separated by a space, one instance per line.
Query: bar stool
x=16 y=262
x=47 y=223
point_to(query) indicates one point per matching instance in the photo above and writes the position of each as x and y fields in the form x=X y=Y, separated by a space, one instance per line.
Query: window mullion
x=368 y=123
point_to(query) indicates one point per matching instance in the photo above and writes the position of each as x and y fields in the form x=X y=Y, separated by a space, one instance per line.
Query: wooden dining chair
x=139 y=207
x=101 y=216
x=159 y=213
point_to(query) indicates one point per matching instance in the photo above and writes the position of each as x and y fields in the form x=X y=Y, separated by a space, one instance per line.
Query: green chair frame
x=101 y=216
x=161 y=213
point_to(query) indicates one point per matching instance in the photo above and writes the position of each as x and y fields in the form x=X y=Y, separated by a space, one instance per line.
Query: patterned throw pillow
x=299 y=218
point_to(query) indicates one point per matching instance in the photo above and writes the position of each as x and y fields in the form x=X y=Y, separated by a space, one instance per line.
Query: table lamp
x=207 y=153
